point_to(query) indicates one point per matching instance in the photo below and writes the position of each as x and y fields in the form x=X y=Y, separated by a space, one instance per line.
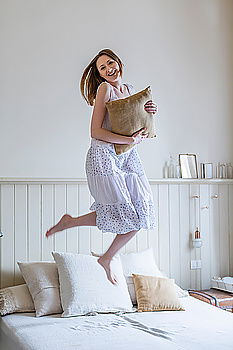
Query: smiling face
x=108 y=68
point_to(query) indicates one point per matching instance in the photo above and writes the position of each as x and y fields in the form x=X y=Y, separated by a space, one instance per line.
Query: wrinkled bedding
x=201 y=326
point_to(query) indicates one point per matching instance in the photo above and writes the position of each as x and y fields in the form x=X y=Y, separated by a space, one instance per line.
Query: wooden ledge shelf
x=35 y=180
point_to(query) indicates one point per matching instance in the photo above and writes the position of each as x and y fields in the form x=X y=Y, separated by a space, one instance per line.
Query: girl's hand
x=139 y=136
x=151 y=107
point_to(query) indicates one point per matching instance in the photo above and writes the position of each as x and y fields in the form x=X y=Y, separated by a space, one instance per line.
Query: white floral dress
x=119 y=186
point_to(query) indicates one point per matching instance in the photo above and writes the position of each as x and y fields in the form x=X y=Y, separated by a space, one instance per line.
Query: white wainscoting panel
x=28 y=207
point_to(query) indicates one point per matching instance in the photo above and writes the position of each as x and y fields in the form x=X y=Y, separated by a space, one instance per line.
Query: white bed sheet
x=200 y=327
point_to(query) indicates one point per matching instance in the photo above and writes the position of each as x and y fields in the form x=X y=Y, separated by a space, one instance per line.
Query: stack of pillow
x=75 y=284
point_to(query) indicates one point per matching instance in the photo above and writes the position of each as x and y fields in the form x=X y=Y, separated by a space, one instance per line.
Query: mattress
x=201 y=326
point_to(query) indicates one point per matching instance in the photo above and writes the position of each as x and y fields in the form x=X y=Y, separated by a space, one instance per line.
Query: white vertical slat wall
x=28 y=207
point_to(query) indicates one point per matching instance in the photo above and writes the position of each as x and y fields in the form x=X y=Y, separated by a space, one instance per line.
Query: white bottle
x=224 y=171
x=171 y=171
x=218 y=170
x=229 y=171
x=221 y=171
x=165 y=170
x=178 y=171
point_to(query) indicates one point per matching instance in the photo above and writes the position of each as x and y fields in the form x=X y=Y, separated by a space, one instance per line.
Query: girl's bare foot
x=105 y=263
x=60 y=226
x=95 y=254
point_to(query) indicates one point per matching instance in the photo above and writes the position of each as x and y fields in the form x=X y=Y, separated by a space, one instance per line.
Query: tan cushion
x=156 y=293
x=127 y=115
x=15 y=299
x=42 y=280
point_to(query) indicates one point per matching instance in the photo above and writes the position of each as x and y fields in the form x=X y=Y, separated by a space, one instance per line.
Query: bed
x=200 y=326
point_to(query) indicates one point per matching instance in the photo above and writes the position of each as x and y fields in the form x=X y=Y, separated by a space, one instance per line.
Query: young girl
x=123 y=198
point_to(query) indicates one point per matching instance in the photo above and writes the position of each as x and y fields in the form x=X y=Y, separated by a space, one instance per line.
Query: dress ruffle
x=121 y=218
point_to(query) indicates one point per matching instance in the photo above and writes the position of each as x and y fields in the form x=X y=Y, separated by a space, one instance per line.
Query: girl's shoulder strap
x=130 y=88
x=111 y=90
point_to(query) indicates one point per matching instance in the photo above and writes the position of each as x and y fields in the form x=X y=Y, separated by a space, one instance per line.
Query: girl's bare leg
x=118 y=242
x=68 y=221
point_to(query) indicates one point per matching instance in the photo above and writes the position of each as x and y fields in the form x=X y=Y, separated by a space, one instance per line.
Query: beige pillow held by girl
x=127 y=115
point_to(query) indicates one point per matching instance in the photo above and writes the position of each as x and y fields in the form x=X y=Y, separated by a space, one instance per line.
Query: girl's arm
x=97 y=132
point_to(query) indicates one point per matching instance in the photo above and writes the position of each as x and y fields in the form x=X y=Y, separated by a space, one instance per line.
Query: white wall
x=182 y=48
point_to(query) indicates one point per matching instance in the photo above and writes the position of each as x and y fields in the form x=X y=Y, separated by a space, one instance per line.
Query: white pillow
x=84 y=287
x=15 y=299
x=142 y=263
x=43 y=284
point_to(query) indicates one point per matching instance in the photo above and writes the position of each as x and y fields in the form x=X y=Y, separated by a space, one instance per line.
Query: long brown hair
x=91 y=78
